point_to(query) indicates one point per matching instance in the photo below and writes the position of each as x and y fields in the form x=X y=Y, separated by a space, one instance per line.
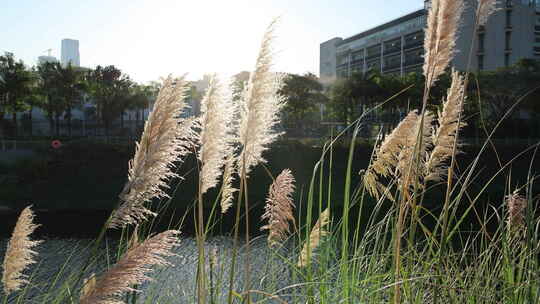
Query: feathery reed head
x=227 y=192
x=517 y=204
x=131 y=269
x=260 y=107
x=317 y=233
x=412 y=155
x=485 y=9
x=387 y=154
x=88 y=285
x=19 y=253
x=449 y=125
x=440 y=37
x=279 y=207
x=134 y=240
x=216 y=137
x=166 y=139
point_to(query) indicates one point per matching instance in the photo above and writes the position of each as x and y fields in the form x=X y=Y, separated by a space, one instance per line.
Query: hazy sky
x=152 y=38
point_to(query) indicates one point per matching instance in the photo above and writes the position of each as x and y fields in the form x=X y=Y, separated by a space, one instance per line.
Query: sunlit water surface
x=58 y=259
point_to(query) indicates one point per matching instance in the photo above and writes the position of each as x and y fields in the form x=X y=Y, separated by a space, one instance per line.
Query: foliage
x=16 y=80
x=303 y=94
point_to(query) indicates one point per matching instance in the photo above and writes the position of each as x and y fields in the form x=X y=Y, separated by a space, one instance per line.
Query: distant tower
x=70 y=52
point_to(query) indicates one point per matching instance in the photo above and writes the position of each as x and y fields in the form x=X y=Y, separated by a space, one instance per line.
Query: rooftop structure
x=44 y=59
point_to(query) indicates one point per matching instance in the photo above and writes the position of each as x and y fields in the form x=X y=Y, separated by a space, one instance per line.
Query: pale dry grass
x=165 y=140
x=440 y=37
x=517 y=204
x=260 y=107
x=387 y=155
x=19 y=253
x=279 y=208
x=216 y=138
x=227 y=194
x=409 y=167
x=449 y=125
x=131 y=269
x=485 y=9
x=318 y=232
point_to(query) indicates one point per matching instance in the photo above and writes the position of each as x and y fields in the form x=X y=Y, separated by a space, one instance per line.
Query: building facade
x=397 y=47
x=70 y=52
x=45 y=59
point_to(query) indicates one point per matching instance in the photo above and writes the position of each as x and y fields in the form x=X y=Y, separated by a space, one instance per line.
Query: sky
x=148 y=39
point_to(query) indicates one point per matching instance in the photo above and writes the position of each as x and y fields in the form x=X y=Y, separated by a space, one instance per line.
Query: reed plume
x=216 y=137
x=317 y=233
x=227 y=193
x=131 y=269
x=485 y=9
x=165 y=140
x=440 y=37
x=409 y=166
x=134 y=240
x=88 y=285
x=260 y=107
x=279 y=207
x=449 y=125
x=517 y=204
x=19 y=253
x=387 y=155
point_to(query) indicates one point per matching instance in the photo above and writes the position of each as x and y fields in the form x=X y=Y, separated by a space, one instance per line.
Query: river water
x=60 y=258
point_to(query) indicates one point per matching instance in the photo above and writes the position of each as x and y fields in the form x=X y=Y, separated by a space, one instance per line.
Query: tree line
x=59 y=89
x=491 y=94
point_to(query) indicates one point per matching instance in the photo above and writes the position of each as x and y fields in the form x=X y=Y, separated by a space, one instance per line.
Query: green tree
x=71 y=88
x=348 y=96
x=34 y=99
x=303 y=93
x=14 y=86
x=51 y=90
x=109 y=88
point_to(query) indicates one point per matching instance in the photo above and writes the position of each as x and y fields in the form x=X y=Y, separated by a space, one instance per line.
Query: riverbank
x=78 y=185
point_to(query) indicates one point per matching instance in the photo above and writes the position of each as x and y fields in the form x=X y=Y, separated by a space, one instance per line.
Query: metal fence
x=77 y=128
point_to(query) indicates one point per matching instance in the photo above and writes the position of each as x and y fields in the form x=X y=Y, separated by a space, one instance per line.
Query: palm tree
x=70 y=90
x=15 y=84
x=50 y=85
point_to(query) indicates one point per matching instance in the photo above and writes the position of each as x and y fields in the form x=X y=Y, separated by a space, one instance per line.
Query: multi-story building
x=512 y=33
x=70 y=52
x=44 y=59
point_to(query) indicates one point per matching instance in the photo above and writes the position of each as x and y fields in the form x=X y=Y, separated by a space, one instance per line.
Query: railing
x=390 y=50
x=409 y=45
x=373 y=56
x=413 y=61
x=391 y=66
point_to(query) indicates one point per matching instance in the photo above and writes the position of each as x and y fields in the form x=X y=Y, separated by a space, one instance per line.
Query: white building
x=44 y=59
x=70 y=52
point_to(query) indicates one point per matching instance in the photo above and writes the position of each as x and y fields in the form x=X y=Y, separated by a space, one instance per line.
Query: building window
x=480 y=62
x=481 y=39
x=374 y=51
x=509 y=18
x=506 y=60
x=507 y=41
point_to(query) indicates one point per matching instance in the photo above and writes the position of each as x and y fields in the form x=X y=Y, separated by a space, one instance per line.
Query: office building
x=397 y=47
x=44 y=59
x=70 y=52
